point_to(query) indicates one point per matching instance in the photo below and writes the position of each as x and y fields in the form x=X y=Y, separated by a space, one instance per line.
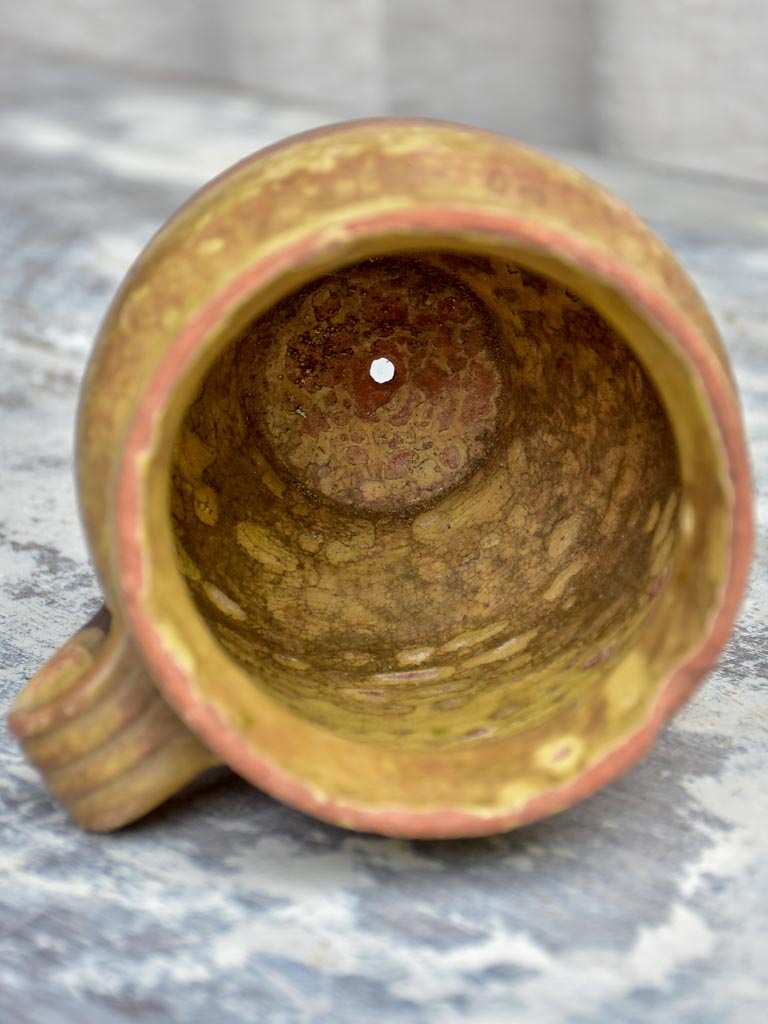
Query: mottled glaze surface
x=379 y=446
x=644 y=903
x=457 y=555
x=587 y=660
x=318 y=186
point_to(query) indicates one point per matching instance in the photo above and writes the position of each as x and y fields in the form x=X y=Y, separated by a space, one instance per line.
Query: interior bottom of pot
x=426 y=500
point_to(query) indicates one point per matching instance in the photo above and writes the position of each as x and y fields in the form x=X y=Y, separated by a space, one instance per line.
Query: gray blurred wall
x=680 y=82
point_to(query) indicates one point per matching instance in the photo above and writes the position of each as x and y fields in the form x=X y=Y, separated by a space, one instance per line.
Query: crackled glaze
x=367 y=596
x=453 y=650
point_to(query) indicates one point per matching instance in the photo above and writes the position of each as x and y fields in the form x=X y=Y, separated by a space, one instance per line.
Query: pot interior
x=426 y=499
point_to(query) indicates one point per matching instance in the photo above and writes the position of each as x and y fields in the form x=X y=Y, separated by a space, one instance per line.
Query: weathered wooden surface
x=649 y=902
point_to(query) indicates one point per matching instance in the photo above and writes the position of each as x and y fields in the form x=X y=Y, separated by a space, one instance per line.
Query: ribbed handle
x=105 y=741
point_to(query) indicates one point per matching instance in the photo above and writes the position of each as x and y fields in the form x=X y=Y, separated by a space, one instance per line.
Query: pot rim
x=172 y=668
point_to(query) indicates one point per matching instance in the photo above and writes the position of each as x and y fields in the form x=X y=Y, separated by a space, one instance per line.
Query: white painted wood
x=684 y=83
x=324 y=51
x=517 y=66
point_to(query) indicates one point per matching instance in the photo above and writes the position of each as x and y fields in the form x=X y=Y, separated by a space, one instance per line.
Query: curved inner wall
x=454 y=551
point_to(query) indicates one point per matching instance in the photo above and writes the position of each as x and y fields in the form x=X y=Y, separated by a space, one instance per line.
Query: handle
x=95 y=726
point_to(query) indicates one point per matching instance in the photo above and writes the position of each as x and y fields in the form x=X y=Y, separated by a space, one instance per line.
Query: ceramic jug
x=414 y=476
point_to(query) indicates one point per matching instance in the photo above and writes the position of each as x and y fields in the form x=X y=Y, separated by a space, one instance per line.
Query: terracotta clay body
x=414 y=476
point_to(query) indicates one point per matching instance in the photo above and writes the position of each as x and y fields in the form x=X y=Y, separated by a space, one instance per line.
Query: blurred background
x=682 y=83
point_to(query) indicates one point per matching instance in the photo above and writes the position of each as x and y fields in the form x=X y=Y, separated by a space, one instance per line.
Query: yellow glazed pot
x=415 y=480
